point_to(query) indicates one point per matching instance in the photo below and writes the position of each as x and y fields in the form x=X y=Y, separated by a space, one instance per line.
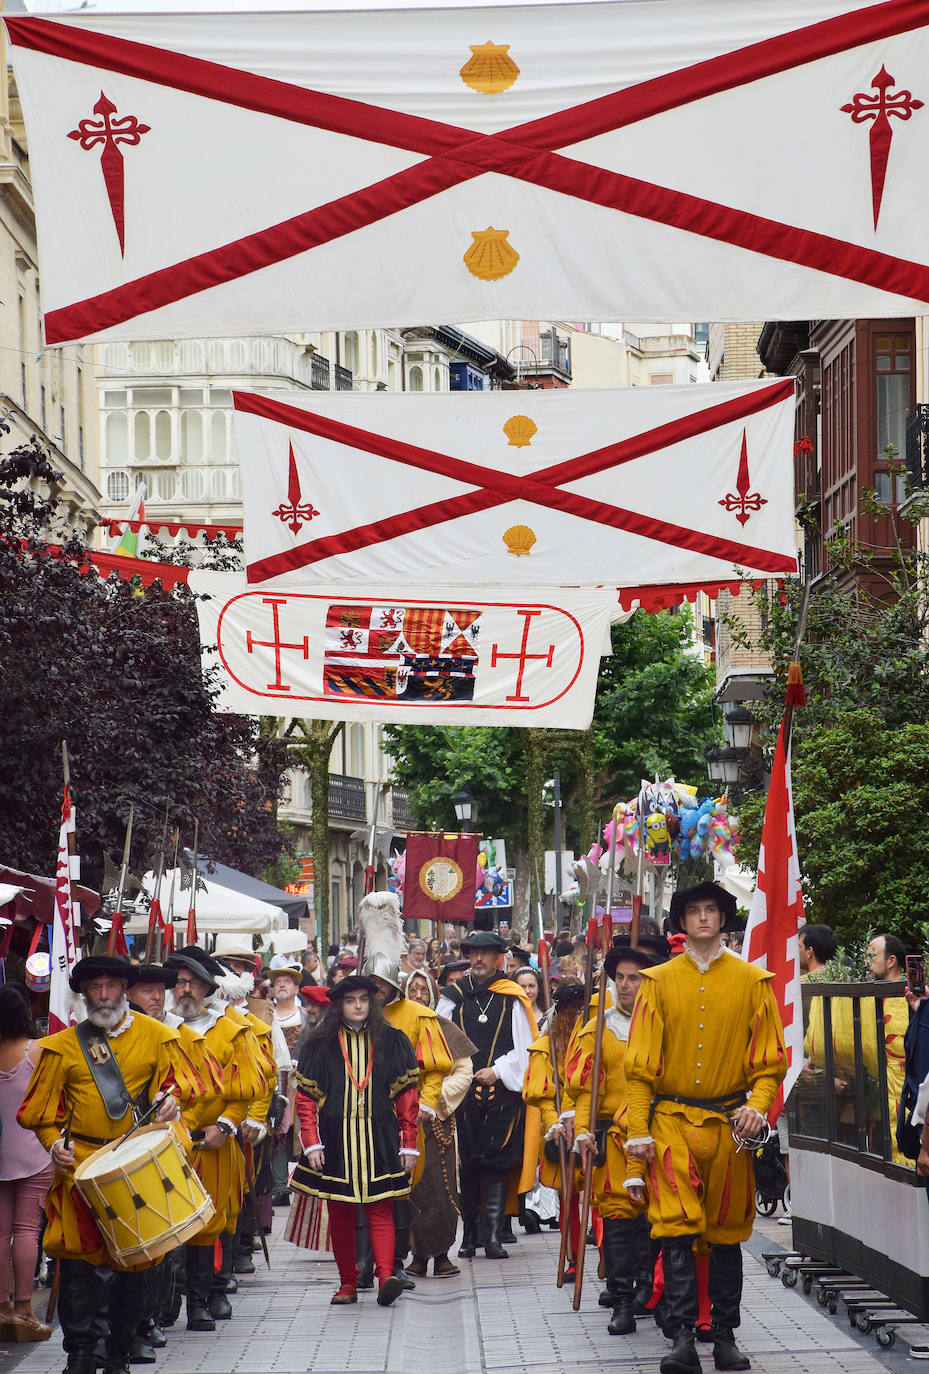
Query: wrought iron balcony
x=917 y=447
x=320 y=372
x=401 y=811
x=347 y=797
x=343 y=379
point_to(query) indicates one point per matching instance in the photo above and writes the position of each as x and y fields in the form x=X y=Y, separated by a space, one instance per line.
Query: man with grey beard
x=73 y=1102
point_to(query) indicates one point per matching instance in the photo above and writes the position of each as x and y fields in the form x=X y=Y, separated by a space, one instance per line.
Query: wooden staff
x=56 y=1281
x=597 y=1061
x=566 y=1178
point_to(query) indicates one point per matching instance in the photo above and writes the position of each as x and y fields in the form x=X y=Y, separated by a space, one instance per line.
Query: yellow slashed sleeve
x=643 y=1065
x=539 y=1083
x=766 y=1056
x=43 y=1108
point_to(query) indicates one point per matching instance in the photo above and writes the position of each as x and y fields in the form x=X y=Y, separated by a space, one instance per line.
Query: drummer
x=73 y=1104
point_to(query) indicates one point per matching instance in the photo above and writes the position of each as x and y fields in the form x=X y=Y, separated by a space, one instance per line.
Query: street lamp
x=723 y=765
x=464 y=806
x=739 y=726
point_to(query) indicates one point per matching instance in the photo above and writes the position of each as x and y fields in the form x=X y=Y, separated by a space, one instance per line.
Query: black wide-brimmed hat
x=355 y=982
x=98 y=966
x=703 y=892
x=566 y=993
x=196 y=960
x=524 y=954
x=152 y=973
x=625 y=953
x=484 y=939
x=452 y=966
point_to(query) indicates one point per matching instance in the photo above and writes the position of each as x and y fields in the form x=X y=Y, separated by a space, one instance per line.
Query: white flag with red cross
x=632 y=488
x=451 y=656
x=64 y=937
x=665 y=160
x=772 y=935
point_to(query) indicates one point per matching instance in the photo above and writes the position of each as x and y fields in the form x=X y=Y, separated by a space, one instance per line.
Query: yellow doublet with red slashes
x=150 y=1056
x=609 y=1192
x=706 y=1035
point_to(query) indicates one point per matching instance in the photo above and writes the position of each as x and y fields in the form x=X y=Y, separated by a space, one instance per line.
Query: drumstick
x=56 y=1281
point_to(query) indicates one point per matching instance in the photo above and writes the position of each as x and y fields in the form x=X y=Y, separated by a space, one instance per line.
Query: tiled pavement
x=497 y=1318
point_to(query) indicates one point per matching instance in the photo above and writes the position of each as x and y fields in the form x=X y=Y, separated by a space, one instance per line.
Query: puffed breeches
x=698 y=1182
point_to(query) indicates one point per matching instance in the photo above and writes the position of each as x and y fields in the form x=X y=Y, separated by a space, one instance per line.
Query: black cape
x=358 y=1127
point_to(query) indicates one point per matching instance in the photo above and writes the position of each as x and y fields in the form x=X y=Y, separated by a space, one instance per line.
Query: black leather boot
x=127 y=1307
x=494 y=1209
x=680 y=1292
x=364 y=1257
x=620 y=1252
x=78 y=1301
x=470 y=1213
x=648 y=1252
x=725 y=1285
x=199 y=1287
x=403 y=1220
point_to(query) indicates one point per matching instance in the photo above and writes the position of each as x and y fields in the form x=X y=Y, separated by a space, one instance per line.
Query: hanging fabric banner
x=593 y=161
x=440 y=877
x=385 y=654
x=645 y=485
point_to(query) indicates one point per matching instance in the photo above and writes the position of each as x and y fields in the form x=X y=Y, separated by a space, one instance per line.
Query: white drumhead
x=129 y=1152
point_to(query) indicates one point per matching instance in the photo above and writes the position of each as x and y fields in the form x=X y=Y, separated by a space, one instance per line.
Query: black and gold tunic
x=361 y=1105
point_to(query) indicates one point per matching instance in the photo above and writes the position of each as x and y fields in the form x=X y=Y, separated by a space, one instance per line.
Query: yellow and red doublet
x=150 y=1056
x=541 y=1116
x=421 y=1027
x=609 y=1179
x=708 y=1034
x=233 y=1046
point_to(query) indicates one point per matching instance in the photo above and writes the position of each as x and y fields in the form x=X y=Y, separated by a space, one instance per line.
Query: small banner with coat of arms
x=439 y=884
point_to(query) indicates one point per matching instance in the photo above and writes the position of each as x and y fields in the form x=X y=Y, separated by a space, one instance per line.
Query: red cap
x=311 y=993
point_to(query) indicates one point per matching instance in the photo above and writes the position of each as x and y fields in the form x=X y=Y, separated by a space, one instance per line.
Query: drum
x=144 y=1194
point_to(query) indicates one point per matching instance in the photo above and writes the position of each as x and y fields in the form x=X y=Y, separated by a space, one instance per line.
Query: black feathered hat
x=196 y=960
x=703 y=892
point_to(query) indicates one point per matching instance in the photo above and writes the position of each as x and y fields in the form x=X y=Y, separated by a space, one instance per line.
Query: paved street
x=497 y=1318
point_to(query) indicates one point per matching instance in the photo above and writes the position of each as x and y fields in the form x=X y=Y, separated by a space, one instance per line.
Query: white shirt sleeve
x=279 y=1045
x=511 y=1068
x=445 y=1008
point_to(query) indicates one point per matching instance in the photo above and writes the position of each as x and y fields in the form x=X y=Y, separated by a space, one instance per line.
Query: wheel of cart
x=764 y=1205
x=885 y=1335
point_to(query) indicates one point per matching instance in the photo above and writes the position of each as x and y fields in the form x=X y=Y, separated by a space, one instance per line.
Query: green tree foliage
x=117 y=673
x=653 y=714
x=654 y=709
x=859 y=746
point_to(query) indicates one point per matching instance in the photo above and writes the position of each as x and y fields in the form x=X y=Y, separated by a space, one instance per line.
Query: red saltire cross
x=457 y=155
x=493 y=488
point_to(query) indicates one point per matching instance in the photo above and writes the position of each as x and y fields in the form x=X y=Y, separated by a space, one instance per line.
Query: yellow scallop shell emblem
x=490 y=69
x=519 y=430
x=519 y=540
x=490 y=257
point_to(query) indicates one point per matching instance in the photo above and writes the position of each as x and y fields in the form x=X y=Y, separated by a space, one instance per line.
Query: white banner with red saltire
x=639 y=486
x=772 y=933
x=455 y=656
x=606 y=161
x=64 y=922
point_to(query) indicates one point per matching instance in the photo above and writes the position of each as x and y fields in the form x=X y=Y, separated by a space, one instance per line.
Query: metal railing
x=343 y=379
x=917 y=444
x=347 y=797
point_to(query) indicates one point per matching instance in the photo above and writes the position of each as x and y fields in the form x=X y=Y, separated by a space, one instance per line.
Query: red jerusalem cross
x=522 y=656
x=879 y=108
x=741 y=500
x=276 y=643
x=111 y=132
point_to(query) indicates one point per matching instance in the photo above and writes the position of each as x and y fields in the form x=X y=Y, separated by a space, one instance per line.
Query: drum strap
x=106 y=1073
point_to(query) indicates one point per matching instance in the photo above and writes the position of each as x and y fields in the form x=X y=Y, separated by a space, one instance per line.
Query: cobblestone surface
x=496 y=1318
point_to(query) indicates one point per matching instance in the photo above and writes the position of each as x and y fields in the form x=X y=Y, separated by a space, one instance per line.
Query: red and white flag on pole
x=772 y=934
x=64 y=922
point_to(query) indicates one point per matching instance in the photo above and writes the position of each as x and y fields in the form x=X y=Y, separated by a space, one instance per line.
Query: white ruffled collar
x=704 y=964
x=124 y=1025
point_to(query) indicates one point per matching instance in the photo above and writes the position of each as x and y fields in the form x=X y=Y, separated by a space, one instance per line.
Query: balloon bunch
x=489 y=880
x=678 y=824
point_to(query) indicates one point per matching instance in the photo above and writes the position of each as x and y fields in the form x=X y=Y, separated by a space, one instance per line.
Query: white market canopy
x=219 y=909
x=361 y=169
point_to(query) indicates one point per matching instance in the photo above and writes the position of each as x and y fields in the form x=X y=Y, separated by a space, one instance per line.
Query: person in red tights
x=355 y=1068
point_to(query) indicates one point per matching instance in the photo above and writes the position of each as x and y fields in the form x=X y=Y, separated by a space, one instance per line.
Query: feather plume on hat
x=233 y=987
x=382 y=936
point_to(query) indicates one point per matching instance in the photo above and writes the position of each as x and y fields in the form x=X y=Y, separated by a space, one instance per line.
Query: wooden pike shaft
x=595 y=1080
